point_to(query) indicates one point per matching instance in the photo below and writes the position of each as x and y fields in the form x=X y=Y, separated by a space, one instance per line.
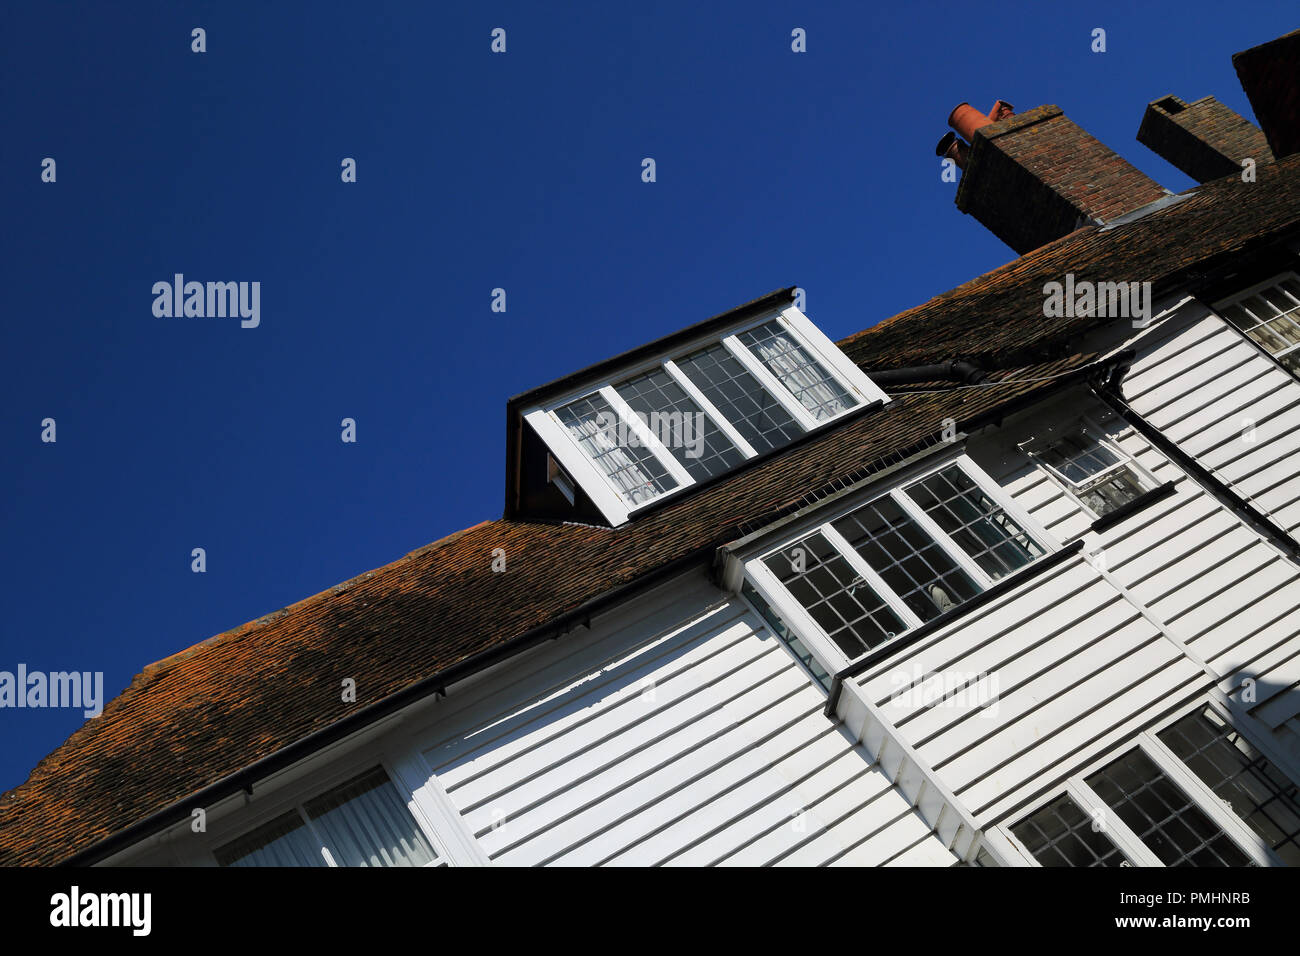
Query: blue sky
x=475 y=171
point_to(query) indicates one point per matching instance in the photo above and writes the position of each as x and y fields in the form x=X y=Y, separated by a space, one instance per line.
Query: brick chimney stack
x=1033 y=177
x=1204 y=139
x=1270 y=75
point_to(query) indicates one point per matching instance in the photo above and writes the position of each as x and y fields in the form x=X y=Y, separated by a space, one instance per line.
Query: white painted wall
x=679 y=731
x=682 y=733
x=1177 y=603
x=1211 y=390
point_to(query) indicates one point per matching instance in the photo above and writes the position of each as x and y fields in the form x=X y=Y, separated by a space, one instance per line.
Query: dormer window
x=703 y=408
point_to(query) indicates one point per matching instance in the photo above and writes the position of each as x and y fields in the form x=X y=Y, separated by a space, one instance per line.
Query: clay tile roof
x=997 y=319
x=192 y=719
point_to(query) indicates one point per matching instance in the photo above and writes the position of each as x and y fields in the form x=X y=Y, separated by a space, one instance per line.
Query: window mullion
x=1113 y=828
x=1101 y=477
x=792 y=612
x=709 y=409
x=869 y=575
x=941 y=539
x=1066 y=486
x=841 y=367
x=1030 y=527
x=1205 y=798
x=1291 y=316
x=770 y=382
x=1262 y=323
x=1124 y=459
x=646 y=436
x=322 y=844
x=1258 y=320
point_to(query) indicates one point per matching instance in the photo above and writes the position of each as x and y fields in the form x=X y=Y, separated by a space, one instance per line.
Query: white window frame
x=783 y=603
x=617 y=506
x=1238 y=297
x=1178 y=773
x=761 y=618
x=1134 y=852
x=1034 y=447
x=296 y=795
x=557 y=476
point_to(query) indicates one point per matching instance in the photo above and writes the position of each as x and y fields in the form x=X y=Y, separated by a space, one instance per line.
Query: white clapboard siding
x=757 y=812
x=684 y=733
x=1072 y=666
x=1173 y=580
x=1226 y=403
x=1218 y=629
x=1041 y=497
x=1264 y=402
x=1274 y=698
x=887 y=684
x=1079 y=663
x=1238 y=608
x=1283 y=702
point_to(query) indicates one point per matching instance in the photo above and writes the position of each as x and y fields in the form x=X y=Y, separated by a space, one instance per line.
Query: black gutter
x=1095 y=371
x=1110 y=393
x=245 y=778
x=874 y=657
x=964 y=372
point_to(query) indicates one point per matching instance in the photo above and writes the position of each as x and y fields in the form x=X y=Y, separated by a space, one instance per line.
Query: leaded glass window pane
x=784 y=632
x=632 y=468
x=672 y=416
x=846 y=607
x=746 y=405
x=974 y=521
x=1061 y=834
x=911 y=562
x=1272 y=318
x=1164 y=818
x=806 y=378
x=1243 y=778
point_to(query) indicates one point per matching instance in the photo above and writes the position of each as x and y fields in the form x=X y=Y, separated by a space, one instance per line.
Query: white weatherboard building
x=976 y=586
